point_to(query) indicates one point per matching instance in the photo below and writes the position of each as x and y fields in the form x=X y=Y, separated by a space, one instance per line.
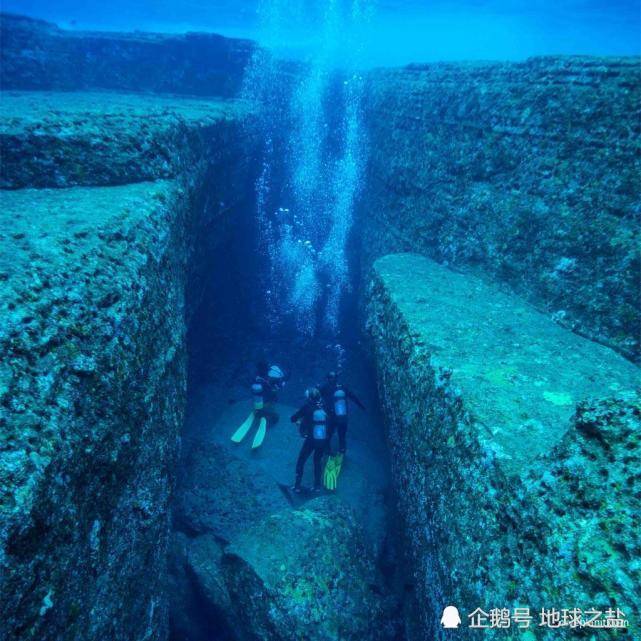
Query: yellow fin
x=332 y=470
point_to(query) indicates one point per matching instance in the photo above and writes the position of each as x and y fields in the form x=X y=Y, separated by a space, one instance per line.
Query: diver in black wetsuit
x=267 y=382
x=335 y=398
x=313 y=428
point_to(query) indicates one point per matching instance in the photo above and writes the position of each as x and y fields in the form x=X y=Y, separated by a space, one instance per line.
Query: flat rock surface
x=515 y=444
x=76 y=112
x=519 y=373
x=60 y=139
x=249 y=476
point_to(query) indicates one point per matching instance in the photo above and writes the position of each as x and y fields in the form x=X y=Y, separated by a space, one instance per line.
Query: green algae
x=320 y=595
x=502 y=376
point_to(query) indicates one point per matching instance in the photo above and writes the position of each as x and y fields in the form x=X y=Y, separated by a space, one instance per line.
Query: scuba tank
x=319 y=431
x=340 y=402
x=257 y=393
x=276 y=376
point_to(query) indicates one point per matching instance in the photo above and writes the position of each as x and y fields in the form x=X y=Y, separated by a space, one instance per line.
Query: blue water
x=398 y=33
x=315 y=120
x=311 y=143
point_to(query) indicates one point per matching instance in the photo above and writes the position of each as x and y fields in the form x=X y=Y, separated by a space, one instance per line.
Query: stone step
x=517 y=485
x=62 y=139
x=517 y=372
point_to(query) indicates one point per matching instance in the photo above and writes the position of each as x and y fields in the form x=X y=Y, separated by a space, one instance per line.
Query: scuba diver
x=335 y=397
x=267 y=382
x=313 y=428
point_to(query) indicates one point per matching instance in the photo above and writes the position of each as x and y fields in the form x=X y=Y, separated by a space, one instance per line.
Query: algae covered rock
x=93 y=287
x=515 y=489
x=305 y=574
x=525 y=171
x=591 y=498
x=90 y=138
x=247 y=565
x=93 y=344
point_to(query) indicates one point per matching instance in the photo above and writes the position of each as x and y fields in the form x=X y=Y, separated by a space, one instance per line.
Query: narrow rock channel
x=319 y=564
x=248 y=558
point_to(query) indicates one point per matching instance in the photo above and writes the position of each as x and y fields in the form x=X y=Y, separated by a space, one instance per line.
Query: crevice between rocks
x=244 y=564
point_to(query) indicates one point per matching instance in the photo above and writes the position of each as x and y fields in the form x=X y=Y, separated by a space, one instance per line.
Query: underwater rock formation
x=527 y=172
x=38 y=55
x=217 y=496
x=92 y=356
x=219 y=493
x=90 y=138
x=246 y=564
x=515 y=489
x=316 y=579
x=93 y=375
x=514 y=442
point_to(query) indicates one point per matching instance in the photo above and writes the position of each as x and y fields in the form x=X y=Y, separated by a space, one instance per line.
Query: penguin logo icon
x=451 y=617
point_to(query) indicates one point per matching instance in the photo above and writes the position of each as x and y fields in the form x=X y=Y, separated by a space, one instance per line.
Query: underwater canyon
x=489 y=279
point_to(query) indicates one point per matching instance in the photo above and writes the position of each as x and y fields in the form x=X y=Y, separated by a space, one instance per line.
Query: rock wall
x=93 y=281
x=90 y=410
x=516 y=487
x=38 y=55
x=527 y=172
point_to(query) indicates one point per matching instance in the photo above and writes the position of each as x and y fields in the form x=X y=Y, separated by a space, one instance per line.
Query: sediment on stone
x=509 y=474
